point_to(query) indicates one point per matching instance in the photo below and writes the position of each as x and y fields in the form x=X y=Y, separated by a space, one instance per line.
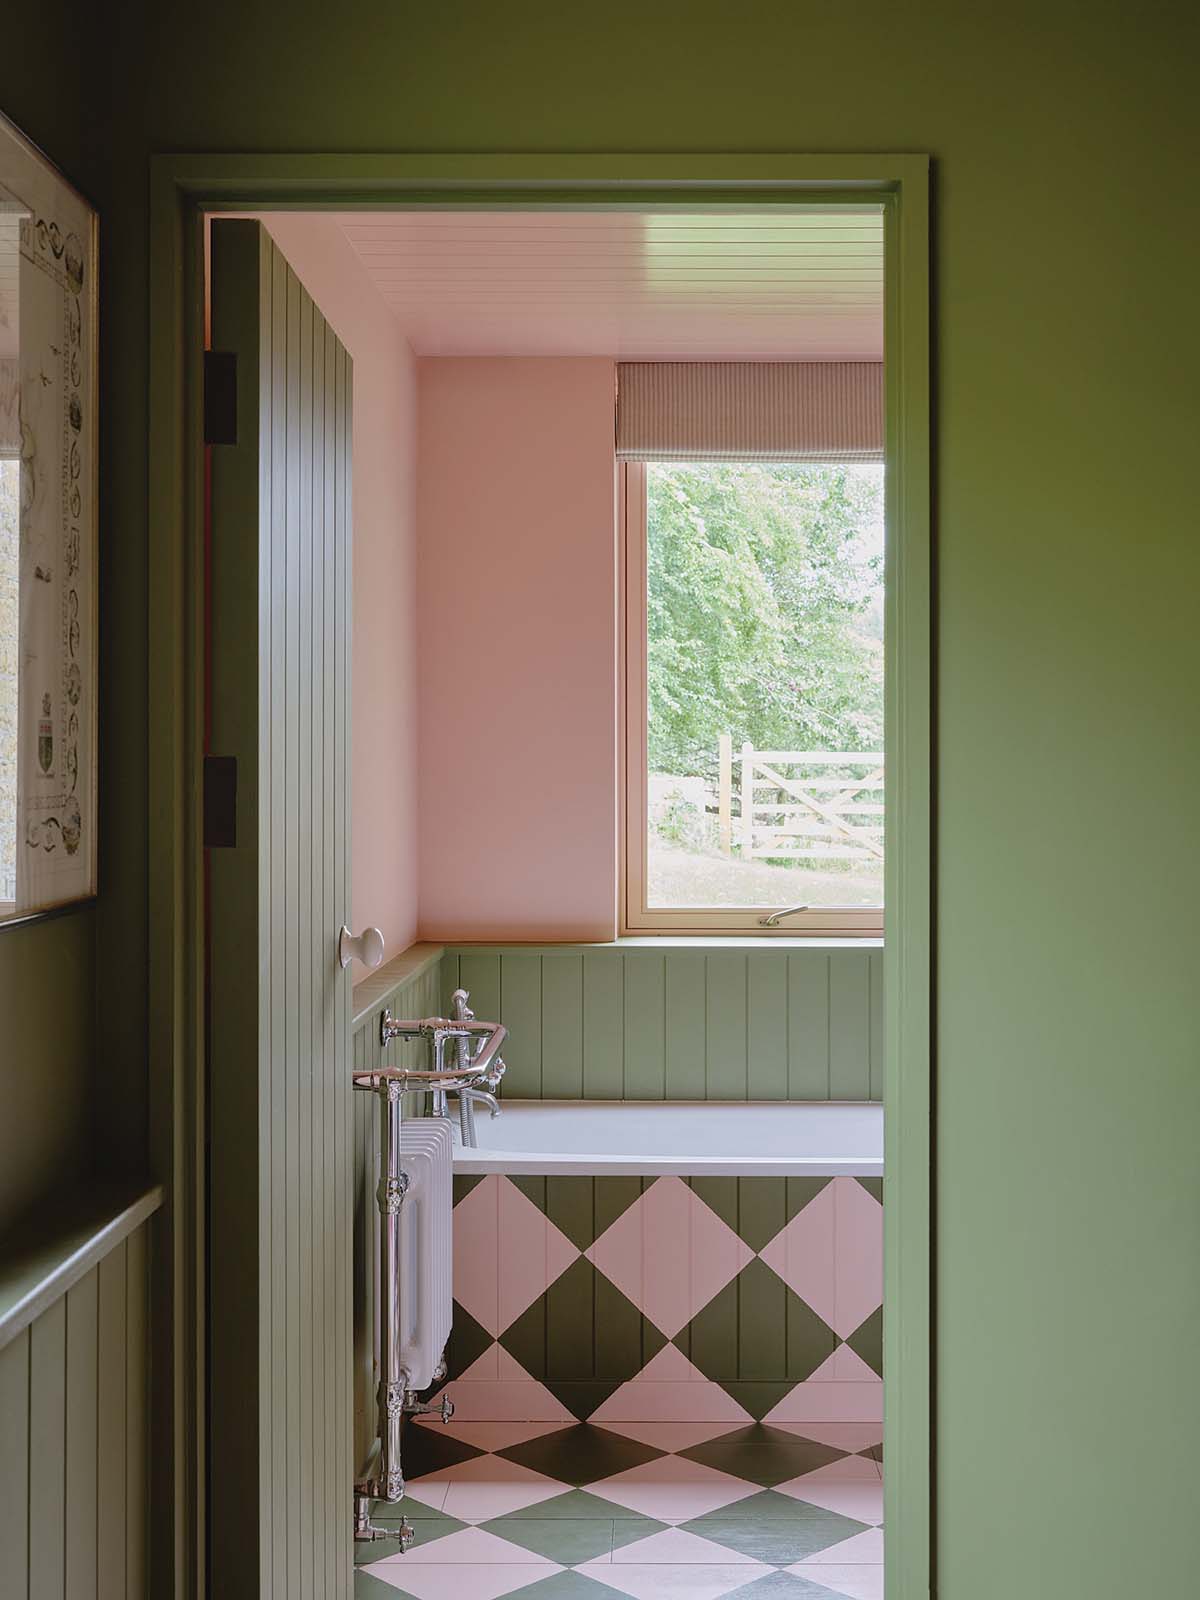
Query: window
x=754 y=695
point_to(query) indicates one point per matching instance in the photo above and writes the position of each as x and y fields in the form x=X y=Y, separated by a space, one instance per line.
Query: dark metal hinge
x=220 y=397
x=220 y=802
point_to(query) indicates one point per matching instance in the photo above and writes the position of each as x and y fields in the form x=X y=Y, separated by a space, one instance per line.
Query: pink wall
x=518 y=648
x=384 y=803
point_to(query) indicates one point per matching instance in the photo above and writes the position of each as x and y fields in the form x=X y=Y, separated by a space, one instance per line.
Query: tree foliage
x=764 y=611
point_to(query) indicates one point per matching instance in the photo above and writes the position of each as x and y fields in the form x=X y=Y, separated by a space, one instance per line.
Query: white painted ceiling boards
x=783 y=285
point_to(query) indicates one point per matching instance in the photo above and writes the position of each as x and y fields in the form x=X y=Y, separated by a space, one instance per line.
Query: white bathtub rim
x=850 y=1152
x=521 y=1164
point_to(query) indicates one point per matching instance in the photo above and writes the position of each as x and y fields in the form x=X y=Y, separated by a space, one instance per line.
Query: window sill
x=682 y=941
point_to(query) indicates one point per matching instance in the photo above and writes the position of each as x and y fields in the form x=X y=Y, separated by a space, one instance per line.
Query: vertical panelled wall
x=660 y=1022
x=73 y=1469
x=410 y=986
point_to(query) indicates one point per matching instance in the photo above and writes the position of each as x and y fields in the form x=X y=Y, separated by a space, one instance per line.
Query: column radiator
x=426 y=1249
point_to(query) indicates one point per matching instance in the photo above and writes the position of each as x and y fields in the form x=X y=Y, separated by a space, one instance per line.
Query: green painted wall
x=1065 y=143
x=47 y=970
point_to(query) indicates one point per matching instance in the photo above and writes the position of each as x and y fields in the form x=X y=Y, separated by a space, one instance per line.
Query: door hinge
x=220 y=397
x=220 y=802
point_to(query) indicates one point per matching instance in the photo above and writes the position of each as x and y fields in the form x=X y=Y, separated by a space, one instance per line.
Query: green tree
x=763 y=609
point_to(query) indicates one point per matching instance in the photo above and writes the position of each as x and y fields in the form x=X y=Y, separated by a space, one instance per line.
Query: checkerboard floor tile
x=581 y=1512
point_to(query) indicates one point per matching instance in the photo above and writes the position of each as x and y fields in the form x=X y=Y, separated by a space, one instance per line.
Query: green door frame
x=182 y=189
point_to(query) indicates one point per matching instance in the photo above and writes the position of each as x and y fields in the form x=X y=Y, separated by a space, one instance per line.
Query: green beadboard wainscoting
x=74 y=1376
x=687 y=1019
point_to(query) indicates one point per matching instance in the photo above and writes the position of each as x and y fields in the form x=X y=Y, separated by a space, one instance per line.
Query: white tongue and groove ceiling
x=731 y=286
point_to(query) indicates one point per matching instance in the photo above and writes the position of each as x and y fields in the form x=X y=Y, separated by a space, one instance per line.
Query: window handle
x=776 y=917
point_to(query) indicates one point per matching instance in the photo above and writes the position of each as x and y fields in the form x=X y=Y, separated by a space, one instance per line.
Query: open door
x=277 y=821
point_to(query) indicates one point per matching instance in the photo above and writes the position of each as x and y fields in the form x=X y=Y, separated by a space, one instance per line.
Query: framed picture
x=48 y=508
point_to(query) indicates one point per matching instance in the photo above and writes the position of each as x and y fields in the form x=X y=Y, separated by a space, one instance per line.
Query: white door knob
x=367 y=948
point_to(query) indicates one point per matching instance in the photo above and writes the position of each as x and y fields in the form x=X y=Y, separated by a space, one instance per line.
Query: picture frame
x=49 y=405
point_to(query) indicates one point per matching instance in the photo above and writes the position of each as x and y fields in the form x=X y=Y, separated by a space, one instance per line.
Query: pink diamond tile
x=846 y=1469
x=476 y=1253
x=831 y=1255
x=670 y=1389
x=858 y=1255
x=803 y=1254
x=863 y=1582
x=850 y=1486
x=670 y=1254
x=470 y=1547
x=861 y=1549
x=428 y=1580
x=670 y=1435
x=497 y=1389
x=675 y=1583
x=674 y=1547
x=842 y=1389
x=488 y=1486
x=429 y=1492
x=672 y=1489
x=506 y=1253
x=533 y=1253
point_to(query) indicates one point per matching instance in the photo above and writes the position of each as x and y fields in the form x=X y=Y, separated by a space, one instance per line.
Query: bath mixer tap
x=470 y=1094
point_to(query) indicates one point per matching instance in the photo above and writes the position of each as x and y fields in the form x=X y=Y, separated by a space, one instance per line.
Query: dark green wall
x=47 y=970
x=1065 y=141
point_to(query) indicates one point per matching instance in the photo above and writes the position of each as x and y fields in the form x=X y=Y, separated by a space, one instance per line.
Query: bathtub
x=622 y=1138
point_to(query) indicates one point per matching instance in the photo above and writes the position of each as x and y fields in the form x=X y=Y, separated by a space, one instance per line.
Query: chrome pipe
x=393 y=1380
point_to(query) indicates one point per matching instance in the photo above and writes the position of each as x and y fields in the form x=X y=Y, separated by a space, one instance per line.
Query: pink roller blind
x=750 y=410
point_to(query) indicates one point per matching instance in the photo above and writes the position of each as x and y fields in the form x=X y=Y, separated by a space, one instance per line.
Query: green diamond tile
x=468 y=1341
x=754 y=1396
x=767 y=1503
x=800 y=1191
x=629 y=1530
x=582 y=1339
x=566 y=1586
x=875 y=1452
x=532 y=1188
x=867 y=1341
x=783 y=1586
x=756 y=1330
x=464 y=1182
x=774 y=1539
x=567 y=1540
x=429 y=1450
x=582 y=1208
x=761 y=1454
x=720 y=1195
x=873 y=1186
x=575 y=1503
x=583 y=1454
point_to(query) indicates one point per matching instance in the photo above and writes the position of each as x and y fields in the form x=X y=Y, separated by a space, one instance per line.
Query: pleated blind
x=750 y=411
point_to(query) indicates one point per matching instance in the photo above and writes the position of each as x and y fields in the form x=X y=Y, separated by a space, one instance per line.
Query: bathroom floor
x=687 y=1510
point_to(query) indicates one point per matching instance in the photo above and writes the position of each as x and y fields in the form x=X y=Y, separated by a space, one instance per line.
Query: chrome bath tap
x=470 y=1096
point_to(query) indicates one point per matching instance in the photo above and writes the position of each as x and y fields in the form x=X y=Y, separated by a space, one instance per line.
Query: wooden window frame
x=637 y=917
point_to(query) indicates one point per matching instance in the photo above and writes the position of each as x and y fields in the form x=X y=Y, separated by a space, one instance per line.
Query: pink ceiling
x=788 y=285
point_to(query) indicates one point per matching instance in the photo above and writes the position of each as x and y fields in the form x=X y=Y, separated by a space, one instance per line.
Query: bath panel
x=667 y=1300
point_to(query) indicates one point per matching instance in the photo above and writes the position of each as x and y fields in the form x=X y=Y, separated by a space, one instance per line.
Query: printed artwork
x=55 y=293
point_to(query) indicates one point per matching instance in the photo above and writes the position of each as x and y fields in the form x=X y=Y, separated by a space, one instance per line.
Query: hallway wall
x=47 y=970
x=1068 y=1101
